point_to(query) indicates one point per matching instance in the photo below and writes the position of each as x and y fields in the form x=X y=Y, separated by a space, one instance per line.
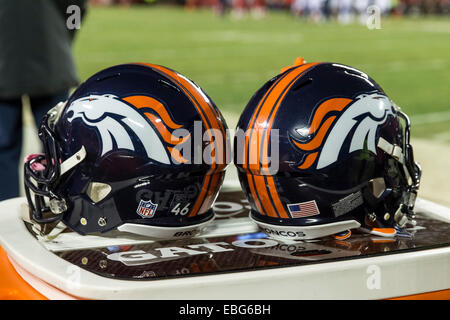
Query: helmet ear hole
x=98 y=191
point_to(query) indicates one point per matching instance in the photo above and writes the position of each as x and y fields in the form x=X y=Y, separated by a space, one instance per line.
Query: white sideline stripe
x=432 y=117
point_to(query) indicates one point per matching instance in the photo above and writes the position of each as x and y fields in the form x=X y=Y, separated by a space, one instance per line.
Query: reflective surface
x=244 y=252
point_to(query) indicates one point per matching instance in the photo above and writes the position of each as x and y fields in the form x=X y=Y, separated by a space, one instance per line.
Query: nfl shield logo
x=146 y=209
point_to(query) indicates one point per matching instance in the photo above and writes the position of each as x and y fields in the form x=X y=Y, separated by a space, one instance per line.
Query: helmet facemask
x=396 y=197
x=42 y=173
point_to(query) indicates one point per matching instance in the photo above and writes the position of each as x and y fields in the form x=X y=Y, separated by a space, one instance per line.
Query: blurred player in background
x=315 y=10
x=361 y=10
x=345 y=11
x=35 y=62
x=257 y=8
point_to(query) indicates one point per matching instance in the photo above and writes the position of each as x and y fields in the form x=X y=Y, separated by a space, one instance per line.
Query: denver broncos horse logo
x=327 y=132
x=114 y=119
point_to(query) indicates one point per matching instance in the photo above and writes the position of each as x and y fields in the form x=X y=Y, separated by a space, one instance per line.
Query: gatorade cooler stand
x=232 y=259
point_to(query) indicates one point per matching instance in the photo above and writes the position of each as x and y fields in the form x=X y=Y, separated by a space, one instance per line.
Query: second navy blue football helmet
x=321 y=149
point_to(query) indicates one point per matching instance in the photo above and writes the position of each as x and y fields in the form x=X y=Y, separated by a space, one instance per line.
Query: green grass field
x=230 y=59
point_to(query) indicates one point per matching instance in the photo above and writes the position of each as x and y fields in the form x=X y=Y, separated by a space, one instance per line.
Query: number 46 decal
x=178 y=211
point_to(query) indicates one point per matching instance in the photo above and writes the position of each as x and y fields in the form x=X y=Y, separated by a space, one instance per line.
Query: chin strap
x=398 y=154
x=400 y=216
x=73 y=161
x=395 y=152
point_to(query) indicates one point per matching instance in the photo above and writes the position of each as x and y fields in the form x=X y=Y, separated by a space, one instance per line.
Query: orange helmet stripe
x=257 y=140
x=252 y=120
x=210 y=120
x=268 y=105
x=251 y=125
x=207 y=112
x=265 y=149
x=271 y=107
x=276 y=199
x=250 y=156
x=203 y=191
x=264 y=121
x=212 y=192
x=263 y=195
x=254 y=194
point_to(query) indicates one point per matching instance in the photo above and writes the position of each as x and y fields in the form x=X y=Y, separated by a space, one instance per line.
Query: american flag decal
x=303 y=209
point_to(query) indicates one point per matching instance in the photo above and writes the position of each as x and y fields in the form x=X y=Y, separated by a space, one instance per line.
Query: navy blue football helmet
x=138 y=148
x=320 y=149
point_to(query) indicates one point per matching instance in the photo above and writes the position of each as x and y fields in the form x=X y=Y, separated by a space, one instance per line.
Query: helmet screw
x=387 y=216
x=83 y=221
x=102 y=222
x=103 y=264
